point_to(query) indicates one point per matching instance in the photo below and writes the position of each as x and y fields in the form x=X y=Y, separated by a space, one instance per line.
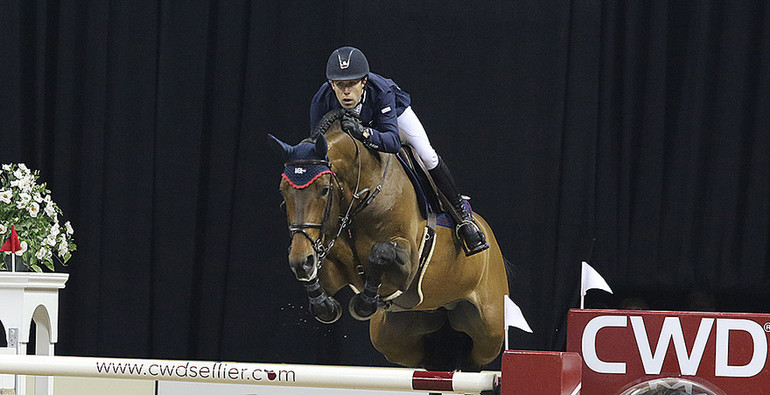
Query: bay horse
x=354 y=221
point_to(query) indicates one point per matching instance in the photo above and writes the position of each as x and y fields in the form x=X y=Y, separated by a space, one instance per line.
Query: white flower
x=68 y=226
x=43 y=253
x=34 y=209
x=23 y=180
x=23 y=201
x=5 y=196
x=24 y=246
x=63 y=248
x=26 y=183
x=27 y=204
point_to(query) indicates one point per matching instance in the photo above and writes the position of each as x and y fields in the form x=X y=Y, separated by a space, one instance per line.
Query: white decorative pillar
x=27 y=297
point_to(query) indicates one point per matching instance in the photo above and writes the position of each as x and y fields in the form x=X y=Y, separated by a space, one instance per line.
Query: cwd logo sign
x=620 y=347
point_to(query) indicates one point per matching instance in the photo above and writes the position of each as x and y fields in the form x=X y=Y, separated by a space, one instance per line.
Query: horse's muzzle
x=305 y=269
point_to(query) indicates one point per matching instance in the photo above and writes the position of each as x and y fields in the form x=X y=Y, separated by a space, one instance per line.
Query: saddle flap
x=429 y=199
x=413 y=295
x=421 y=181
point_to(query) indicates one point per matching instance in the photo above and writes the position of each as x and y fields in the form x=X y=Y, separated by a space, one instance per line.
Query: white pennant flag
x=514 y=318
x=591 y=279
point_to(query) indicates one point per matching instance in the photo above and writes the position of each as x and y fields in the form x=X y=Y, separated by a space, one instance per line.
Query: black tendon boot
x=467 y=229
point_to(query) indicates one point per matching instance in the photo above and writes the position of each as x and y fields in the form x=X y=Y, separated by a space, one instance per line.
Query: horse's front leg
x=383 y=256
x=325 y=309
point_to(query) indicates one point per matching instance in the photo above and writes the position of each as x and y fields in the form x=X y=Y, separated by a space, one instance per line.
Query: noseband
x=320 y=248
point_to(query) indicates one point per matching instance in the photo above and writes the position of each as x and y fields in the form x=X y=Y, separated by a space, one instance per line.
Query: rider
x=388 y=119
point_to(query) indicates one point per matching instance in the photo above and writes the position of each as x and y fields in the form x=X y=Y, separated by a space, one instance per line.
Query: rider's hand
x=351 y=125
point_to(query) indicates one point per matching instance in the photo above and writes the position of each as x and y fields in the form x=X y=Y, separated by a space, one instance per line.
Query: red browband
x=307 y=183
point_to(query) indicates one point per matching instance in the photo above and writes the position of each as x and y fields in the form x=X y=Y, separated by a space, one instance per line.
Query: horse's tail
x=510 y=270
x=326 y=122
x=513 y=274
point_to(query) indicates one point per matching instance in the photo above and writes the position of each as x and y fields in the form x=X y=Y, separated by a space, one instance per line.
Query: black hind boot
x=467 y=230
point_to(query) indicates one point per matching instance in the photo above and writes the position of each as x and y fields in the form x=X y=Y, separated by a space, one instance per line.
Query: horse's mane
x=326 y=122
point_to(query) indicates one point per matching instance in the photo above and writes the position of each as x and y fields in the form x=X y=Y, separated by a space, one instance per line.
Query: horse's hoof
x=360 y=309
x=330 y=314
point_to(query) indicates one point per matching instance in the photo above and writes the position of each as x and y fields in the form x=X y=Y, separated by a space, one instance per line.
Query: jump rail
x=320 y=376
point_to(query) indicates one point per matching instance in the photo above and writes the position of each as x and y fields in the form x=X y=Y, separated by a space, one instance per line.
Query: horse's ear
x=320 y=146
x=279 y=147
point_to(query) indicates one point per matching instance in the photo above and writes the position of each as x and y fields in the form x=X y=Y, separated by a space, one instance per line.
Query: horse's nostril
x=304 y=269
x=309 y=262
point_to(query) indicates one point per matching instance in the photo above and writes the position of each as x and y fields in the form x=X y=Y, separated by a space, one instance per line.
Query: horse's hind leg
x=446 y=349
x=486 y=331
x=399 y=335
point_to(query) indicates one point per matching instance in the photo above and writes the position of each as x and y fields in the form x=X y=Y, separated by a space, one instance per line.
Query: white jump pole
x=319 y=376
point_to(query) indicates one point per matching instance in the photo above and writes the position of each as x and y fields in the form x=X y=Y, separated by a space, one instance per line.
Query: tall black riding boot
x=467 y=230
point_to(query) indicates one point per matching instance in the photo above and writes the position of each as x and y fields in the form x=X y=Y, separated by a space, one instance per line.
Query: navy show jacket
x=381 y=103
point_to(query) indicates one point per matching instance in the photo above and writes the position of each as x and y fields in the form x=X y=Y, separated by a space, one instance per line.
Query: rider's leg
x=467 y=228
x=411 y=130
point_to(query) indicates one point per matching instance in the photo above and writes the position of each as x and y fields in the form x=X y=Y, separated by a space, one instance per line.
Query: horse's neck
x=391 y=214
x=353 y=163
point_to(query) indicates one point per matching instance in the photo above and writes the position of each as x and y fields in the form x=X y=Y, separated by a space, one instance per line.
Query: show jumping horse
x=354 y=221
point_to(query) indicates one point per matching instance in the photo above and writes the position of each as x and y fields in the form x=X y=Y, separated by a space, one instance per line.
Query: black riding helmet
x=346 y=63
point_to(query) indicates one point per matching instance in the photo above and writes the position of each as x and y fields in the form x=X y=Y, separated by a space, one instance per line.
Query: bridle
x=320 y=246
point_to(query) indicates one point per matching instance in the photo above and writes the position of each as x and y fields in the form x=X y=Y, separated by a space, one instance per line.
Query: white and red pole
x=319 y=376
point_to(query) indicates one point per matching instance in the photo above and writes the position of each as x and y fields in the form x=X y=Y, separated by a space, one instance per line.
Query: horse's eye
x=324 y=191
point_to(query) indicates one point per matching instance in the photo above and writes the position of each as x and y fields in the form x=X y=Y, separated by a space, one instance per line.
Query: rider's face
x=349 y=92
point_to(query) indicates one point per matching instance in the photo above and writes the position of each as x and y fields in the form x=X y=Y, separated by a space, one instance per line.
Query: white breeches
x=411 y=132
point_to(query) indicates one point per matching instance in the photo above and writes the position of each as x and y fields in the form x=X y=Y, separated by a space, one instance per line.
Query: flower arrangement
x=27 y=206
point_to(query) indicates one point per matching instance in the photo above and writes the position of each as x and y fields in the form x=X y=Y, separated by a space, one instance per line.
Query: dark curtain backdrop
x=634 y=135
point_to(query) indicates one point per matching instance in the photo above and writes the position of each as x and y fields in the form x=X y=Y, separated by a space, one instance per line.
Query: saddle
x=428 y=195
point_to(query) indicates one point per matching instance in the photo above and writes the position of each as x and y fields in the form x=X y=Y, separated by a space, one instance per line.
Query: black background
x=640 y=125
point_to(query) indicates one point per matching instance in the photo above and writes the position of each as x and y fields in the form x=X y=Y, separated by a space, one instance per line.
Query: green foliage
x=28 y=206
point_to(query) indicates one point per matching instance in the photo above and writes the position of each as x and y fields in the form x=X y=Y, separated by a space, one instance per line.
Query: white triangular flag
x=591 y=279
x=514 y=318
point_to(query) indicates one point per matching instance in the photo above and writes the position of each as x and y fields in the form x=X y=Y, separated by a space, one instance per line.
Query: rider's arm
x=384 y=134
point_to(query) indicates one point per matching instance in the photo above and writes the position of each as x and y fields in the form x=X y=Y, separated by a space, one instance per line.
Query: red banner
x=12 y=244
x=724 y=352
